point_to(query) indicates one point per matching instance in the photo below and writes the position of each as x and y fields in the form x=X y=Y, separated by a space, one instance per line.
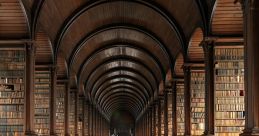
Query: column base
x=252 y=132
x=30 y=133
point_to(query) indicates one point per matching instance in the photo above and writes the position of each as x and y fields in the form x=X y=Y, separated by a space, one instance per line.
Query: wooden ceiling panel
x=44 y=49
x=227 y=18
x=187 y=21
x=195 y=51
x=61 y=67
x=54 y=13
x=13 y=23
x=178 y=69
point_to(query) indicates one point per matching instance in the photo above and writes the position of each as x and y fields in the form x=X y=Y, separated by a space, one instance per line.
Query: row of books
x=229 y=93
x=13 y=121
x=197 y=99
x=229 y=79
x=11 y=101
x=11 y=80
x=11 y=108
x=12 y=73
x=11 y=94
x=233 y=100
x=198 y=95
x=228 y=86
x=230 y=64
x=11 y=88
x=11 y=114
x=230 y=115
x=230 y=107
x=42 y=110
x=229 y=129
x=230 y=122
x=197 y=109
x=12 y=54
x=229 y=54
x=10 y=128
x=229 y=72
x=42 y=121
x=12 y=66
x=195 y=104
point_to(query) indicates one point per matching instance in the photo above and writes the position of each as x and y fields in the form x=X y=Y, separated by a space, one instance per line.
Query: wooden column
x=251 y=33
x=174 y=109
x=187 y=101
x=67 y=92
x=29 y=96
x=208 y=48
x=53 y=101
x=166 y=112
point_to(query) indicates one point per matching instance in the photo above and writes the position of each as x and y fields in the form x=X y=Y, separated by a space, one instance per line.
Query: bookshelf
x=162 y=103
x=156 y=120
x=60 y=109
x=80 y=116
x=72 y=103
x=197 y=102
x=229 y=91
x=12 y=91
x=42 y=102
x=170 y=113
x=180 y=109
x=86 y=118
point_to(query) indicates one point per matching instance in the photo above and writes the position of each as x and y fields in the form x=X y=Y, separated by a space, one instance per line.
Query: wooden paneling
x=61 y=67
x=13 y=23
x=54 y=13
x=179 y=65
x=43 y=50
x=227 y=18
x=195 y=51
x=182 y=15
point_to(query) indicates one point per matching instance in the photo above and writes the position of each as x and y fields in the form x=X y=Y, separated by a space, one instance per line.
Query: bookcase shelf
x=180 y=109
x=42 y=99
x=80 y=116
x=229 y=91
x=86 y=118
x=60 y=109
x=72 y=103
x=170 y=114
x=197 y=102
x=12 y=91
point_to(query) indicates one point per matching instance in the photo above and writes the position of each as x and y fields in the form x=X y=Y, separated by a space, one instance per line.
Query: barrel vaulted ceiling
x=118 y=53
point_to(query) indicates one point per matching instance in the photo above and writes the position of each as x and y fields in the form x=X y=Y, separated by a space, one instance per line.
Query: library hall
x=129 y=67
